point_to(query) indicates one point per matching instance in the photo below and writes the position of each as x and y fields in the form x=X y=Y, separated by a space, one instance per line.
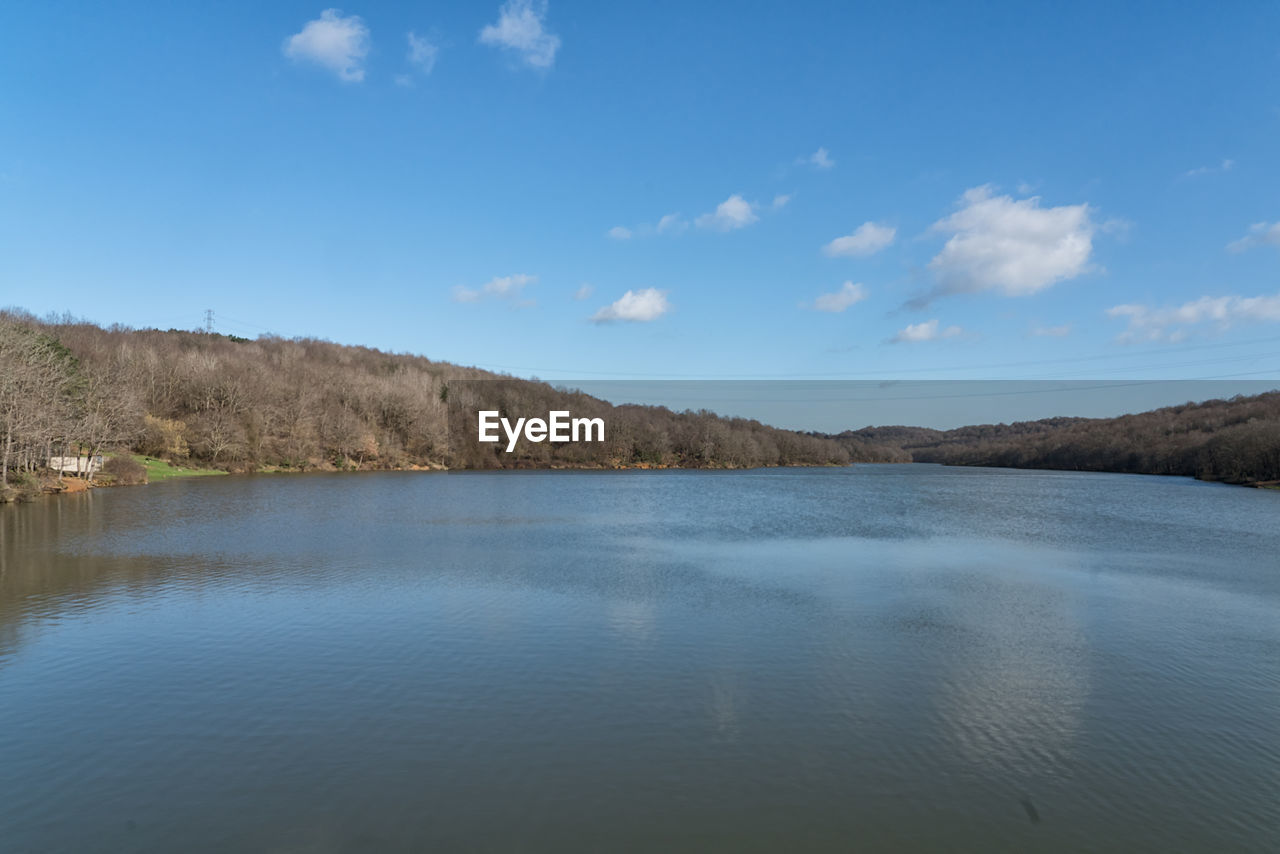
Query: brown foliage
x=1236 y=441
x=125 y=470
x=163 y=438
x=305 y=403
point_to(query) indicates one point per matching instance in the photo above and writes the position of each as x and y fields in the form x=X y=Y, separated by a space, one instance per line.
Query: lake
x=878 y=658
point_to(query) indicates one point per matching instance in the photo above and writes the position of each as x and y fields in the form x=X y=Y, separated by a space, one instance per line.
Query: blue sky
x=588 y=190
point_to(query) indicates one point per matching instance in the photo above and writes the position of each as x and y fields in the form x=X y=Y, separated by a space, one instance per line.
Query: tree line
x=70 y=387
x=1234 y=441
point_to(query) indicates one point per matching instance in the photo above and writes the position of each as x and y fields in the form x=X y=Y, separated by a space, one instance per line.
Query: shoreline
x=75 y=486
x=51 y=487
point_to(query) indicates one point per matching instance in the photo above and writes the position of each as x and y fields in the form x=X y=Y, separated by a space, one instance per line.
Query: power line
x=883 y=373
x=246 y=323
x=876 y=374
x=1107 y=384
x=1252 y=357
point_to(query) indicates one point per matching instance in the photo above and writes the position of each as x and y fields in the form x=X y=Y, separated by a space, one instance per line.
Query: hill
x=70 y=387
x=197 y=399
x=1234 y=441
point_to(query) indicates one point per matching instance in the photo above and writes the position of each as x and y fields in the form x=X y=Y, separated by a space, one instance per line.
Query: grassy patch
x=158 y=470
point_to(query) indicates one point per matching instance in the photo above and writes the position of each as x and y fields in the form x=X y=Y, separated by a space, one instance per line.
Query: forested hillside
x=1235 y=441
x=71 y=387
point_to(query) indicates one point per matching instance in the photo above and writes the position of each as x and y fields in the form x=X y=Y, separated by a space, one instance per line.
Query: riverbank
x=141 y=470
x=159 y=471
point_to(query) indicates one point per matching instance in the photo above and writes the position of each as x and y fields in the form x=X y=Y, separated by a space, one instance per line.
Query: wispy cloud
x=733 y=213
x=1052 y=331
x=422 y=53
x=867 y=239
x=1174 y=323
x=848 y=294
x=670 y=224
x=334 y=42
x=521 y=29
x=1260 y=234
x=499 y=287
x=635 y=307
x=928 y=330
x=1010 y=246
x=820 y=159
x=1225 y=166
x=584 y=292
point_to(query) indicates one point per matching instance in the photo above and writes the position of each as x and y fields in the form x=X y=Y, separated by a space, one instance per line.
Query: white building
x=77 y=465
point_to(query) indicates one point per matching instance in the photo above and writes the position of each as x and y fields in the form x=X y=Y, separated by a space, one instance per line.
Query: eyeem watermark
x=558 y=426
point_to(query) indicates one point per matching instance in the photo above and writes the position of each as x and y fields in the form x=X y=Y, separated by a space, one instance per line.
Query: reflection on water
x=887 y=658
x=1015 y=691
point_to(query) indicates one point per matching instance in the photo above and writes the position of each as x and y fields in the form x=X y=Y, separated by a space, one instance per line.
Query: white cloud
x=820 y=159
x=499 y=287
x=422 y=53
x=1170 y=323
x=733 y=213
x=1011 y=246
x=337 y=43
x=849 y=294
x=584 y=292
x=1052 y=331
x=867 y=239
x=504 y=286
x=671 y=222
x=635 y=306
x=925 y=331
x=520 y=29
x=1224 y=166
x=1260 y=234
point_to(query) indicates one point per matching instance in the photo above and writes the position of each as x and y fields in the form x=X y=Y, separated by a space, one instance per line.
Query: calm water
x=884 y=658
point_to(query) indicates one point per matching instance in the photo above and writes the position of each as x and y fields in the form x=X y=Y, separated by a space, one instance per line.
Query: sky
x=576 y=190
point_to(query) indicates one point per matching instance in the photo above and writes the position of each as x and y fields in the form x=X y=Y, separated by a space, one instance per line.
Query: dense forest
x=69 y=387
x=1234 y=441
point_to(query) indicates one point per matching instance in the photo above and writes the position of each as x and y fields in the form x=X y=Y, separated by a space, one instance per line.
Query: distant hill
x=1235 y=441
x=70 y=387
